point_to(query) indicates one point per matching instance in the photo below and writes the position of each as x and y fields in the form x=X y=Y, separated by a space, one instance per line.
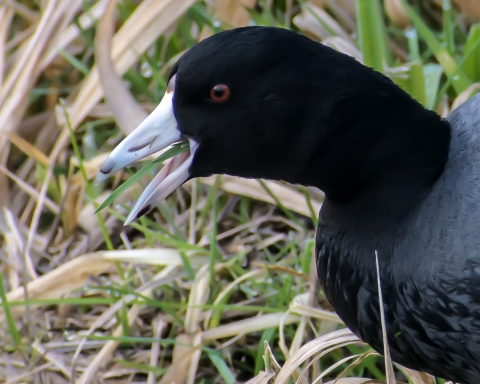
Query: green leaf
x=448 y=26
x=138 y=82
x=471 y=66
x=74 y=61
x=267 y=336
x=460 y=80
x=173 y=151
x=88 y=186
x=52 y=187
x=413 y=44
x=213 y=252
x=372 y=34
x=445 y=86
x=124 y=320
x=88 y=142
x=417 y=82
x=200 y=14
x=411 y=78
x=222 y=368
x=306 y=257
x=64 y=301
x=280 y=205
x=12 y=326
x=432 y=74
x=141 y=367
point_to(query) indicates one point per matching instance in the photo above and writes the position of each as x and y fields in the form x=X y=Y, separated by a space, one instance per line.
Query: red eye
x=220 y=93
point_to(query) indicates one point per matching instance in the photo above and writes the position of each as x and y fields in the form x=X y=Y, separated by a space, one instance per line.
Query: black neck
x=383 y=156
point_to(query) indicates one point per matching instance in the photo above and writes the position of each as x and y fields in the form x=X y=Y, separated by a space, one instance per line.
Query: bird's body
x=400 y=182
x=429 y=267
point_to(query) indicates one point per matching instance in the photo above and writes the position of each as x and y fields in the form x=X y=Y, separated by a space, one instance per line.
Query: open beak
x=155 y=133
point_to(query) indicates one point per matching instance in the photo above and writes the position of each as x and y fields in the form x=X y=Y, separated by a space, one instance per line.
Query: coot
x=262 y=102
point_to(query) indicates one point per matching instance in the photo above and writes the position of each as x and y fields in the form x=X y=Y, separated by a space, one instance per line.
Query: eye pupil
x=220 y=93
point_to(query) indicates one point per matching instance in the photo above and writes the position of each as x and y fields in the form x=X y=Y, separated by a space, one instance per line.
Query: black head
x=263 y=102
x=284 y=89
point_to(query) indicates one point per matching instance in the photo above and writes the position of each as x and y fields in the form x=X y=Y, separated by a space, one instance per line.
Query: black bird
x=399 y=180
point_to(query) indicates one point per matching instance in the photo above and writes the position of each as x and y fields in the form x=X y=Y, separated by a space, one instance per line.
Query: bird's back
x=430 y=268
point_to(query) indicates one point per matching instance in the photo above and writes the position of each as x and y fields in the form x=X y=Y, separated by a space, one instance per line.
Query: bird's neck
x=386 y=162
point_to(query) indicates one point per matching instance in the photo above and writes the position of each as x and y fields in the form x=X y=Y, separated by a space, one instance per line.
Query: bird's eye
x=220 y=93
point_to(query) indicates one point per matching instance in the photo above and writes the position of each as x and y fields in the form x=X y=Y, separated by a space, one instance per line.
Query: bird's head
x=260 y=102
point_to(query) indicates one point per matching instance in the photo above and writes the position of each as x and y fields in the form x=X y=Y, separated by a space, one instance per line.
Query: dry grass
x=216 y=286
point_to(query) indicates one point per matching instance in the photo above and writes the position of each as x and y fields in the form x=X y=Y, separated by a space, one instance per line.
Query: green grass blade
x=471 y=66
x=74 y=61
x=313 y=213
x=12 y=326
x=187 y=266
x=88 y=186
x=267 y=336
x=417 y=82
x=201 y=15
x=448 y=26
x=447 y=84
x=167 y=240
x=432 y=74
x=222 y=368
x=372 y=34
x=141 y=367
x=173 y=151
x=213 y=243
x=280 y=205
x=460 y=80
x=212 y=193
x=85 y=301
x=88 y=142
x=139 y=82
x=306 y=258
x=413 y=44
x=124 y=320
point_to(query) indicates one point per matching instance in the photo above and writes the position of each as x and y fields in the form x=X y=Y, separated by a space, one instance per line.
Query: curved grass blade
x=471 y=66
x=171 y=152
x=459 y=79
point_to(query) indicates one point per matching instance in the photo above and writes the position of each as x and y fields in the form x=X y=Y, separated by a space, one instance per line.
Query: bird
x=401 y=183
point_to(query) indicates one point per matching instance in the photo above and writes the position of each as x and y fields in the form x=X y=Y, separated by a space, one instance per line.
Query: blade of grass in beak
x=175 y=150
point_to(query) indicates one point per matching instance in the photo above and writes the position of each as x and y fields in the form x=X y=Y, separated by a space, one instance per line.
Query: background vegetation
x=217 y=285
